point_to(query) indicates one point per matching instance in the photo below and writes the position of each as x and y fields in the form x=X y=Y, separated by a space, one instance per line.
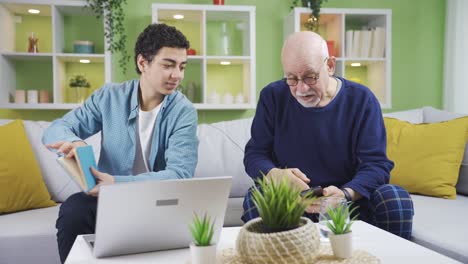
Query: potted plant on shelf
x=312 y=23
x=280 y=233
x=80 y=84
x=340 y=223
x=202 y=250
x=114 y=30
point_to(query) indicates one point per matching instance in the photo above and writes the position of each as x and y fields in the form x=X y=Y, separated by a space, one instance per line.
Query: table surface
x=386 y=246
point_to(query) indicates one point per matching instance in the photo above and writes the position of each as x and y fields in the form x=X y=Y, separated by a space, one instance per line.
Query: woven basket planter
x=299 y=245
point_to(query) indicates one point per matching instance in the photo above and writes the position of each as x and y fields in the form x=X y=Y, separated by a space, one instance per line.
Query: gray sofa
x=29 y=236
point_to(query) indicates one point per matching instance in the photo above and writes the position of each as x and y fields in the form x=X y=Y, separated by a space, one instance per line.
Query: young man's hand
x=101 y=179
x=67 y=148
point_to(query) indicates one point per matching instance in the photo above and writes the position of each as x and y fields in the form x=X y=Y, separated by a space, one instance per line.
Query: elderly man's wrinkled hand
x=294 y=175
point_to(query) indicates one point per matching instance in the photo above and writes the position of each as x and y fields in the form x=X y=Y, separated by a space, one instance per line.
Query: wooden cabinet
x=57 y=28
x=221 y=68
x=360 y=39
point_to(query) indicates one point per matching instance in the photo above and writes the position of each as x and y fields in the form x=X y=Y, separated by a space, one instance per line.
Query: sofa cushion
x=427 y=156
x=60 y=185
x=414 y=116
x=221 y=152
x=432 y=115
x=29 y=237
x=21 y=184
x=440 y=224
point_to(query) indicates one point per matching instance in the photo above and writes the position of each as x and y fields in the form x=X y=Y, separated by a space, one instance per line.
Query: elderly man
x=318 y=129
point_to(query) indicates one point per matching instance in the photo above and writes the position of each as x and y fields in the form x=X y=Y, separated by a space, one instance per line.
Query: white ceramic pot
x=203 y=255
x=342 y=245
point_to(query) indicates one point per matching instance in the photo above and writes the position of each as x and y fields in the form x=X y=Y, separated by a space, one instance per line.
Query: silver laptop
x=155 y=215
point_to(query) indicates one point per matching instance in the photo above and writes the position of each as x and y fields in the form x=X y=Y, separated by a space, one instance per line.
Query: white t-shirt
x=144 y=137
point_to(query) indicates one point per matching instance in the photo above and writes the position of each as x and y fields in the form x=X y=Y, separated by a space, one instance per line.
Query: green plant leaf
x=279 y=203
x=202 y=230
x=114 y=31
x=339 y=215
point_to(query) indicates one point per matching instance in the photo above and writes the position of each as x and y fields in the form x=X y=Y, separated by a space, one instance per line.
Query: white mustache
x=305 y=94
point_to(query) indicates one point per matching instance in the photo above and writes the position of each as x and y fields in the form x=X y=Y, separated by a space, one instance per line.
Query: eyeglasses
x=310 y=79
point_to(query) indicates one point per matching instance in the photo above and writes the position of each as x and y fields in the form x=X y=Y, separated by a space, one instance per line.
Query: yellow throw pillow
x=21 y=184
x=427 y=156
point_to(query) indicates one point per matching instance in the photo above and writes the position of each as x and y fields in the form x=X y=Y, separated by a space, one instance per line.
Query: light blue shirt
x=113 y=110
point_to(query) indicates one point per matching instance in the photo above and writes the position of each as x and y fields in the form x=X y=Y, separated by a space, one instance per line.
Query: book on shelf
x=349 y=43
x=378 y=43
x=366 y=40
x=79 y=167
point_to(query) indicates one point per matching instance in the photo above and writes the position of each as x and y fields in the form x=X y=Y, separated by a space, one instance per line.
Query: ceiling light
x=225 y=63
x=84 y=61
x=178 y=16
x=355 y=64
x=34 y=11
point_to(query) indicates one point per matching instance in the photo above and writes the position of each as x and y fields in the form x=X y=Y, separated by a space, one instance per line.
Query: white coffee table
x=386 y=246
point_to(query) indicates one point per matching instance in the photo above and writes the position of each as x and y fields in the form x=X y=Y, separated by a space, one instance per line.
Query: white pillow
x=221 y=153
x=414 y=116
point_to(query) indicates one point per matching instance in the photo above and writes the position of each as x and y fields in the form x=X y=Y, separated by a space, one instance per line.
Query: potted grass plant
x=340 y=224
x=280 y=233
x=202 y=249
x=81 y=85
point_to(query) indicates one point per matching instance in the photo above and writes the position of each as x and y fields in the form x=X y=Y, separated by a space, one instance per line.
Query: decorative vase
x=228 y=98
x=32 y=43
x=299 y=245
x=80 y=94
x=218 y=2
x=342 y=245
x=203 y=255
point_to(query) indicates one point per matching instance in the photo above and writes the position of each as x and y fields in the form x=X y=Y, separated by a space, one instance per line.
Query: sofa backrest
x=221 y=152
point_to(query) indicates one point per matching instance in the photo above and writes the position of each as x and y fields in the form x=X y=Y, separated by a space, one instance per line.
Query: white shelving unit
x=335 y=25
x=218 y=34
x=55 y=12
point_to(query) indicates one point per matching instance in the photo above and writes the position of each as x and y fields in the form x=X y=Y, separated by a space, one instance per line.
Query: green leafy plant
x=114 y=30
x=79 y=81
x=280 y=204
x=339 y=215
x=202 y=230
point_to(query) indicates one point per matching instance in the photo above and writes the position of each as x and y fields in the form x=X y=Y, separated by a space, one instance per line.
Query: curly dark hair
x=156 y=37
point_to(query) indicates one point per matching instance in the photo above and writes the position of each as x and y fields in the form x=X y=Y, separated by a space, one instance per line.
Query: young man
x=320 y=130
x=148 y=129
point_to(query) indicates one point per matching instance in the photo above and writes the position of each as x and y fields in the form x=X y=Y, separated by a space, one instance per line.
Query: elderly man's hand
x=295 y=177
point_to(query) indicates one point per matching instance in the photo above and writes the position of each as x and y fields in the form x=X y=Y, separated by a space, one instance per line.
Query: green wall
x=417 y=50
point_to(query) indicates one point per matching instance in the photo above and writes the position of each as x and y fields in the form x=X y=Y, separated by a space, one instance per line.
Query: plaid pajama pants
x=390 y=208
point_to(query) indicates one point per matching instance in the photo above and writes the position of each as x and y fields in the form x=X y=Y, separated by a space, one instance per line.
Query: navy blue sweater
x=341 y=144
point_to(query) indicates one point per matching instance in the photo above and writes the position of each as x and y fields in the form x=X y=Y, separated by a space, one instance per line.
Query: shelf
x=26 y=56
x=354 y=36
x=59 y=24
x=43 y=106
x=224 y=106
x=73 y=57
x=219 y=34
